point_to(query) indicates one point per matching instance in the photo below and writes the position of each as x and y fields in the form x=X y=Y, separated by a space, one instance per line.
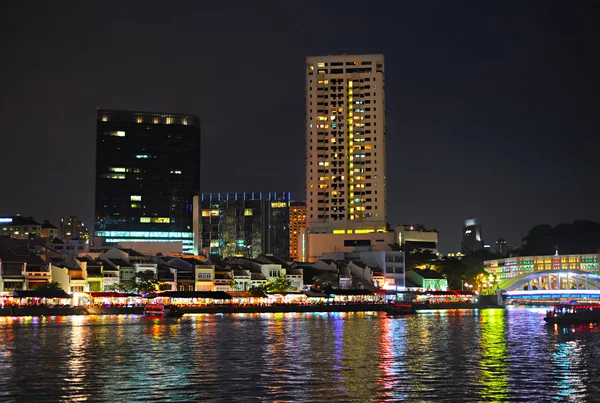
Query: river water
x=454 y=356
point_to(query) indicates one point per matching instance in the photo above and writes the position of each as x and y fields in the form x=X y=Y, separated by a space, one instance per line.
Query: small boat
x=399 y=309
x=573 y=314
x=164 y=311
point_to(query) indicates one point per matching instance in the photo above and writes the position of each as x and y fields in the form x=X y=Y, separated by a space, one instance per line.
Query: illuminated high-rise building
x=472 y=240
x=345 y=144
x=73 y=228
x=147 y=174
x=297 y=222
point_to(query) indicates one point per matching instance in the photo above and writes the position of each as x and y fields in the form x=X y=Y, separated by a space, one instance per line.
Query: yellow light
x=338 y=231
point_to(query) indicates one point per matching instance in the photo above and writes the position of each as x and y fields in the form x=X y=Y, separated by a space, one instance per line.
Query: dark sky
x=492 y=107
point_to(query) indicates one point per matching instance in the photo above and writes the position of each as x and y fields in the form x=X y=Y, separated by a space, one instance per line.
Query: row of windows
x=356 y=63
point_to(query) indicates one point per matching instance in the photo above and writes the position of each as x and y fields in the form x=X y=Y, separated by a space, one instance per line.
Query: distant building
x=345 y=143
x=297 y=222
x=19 y=227
x=72 y=246
x=73 y=228
x=472 y=240
x=147 y=173
x=48 y=230
x=502 y=248
x=385 y=263
x=416 y=236
x=243 y=224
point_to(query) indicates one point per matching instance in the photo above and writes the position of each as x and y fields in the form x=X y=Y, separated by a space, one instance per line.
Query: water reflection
x=487 y=355
x=493 y=361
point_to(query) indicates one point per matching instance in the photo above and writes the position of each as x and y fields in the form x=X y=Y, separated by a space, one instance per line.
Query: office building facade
x=472 y=240
x=345 y=144
x=243 y=224
x=147 y=173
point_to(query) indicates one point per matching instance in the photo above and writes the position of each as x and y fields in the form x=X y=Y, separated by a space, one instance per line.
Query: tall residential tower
x=147 y=173
x=345 y=144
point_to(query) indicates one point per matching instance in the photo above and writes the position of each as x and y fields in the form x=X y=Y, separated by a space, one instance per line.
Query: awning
x=106 y=294
x=191 y=294
x=41 y=294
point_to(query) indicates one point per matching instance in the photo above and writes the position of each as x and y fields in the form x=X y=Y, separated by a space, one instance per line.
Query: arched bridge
x=551 y=280
x=552 y=285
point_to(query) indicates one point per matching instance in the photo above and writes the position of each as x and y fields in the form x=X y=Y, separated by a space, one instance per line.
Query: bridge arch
x=557 y=279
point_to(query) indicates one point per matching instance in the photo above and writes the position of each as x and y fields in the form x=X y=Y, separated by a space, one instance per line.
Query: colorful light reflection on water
x=457 y=355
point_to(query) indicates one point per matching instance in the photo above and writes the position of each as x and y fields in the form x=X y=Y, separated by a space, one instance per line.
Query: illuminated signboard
x=5 y=220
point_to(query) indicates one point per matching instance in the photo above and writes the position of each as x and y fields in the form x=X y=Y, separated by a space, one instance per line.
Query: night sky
x=492 y=107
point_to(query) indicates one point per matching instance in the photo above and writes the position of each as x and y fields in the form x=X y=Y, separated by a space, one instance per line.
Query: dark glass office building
x=147 y=174
x=243 y=224
x=472 y=240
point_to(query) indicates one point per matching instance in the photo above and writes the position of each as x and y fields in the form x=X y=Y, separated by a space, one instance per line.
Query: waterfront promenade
x=235 y=308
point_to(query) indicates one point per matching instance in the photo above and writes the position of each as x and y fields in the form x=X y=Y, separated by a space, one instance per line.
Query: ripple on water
x=486 y=355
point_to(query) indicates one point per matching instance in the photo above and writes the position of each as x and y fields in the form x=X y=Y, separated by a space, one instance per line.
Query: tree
x=420 y=258
x=52 y=285
x=454 y=270
x=278 y=284
x=257 y=291
x=146 y=281
x=126 y=286
x=233 y=285
x=581 y=236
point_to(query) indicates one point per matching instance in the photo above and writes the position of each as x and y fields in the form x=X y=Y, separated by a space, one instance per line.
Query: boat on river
x=573 y=314
x=397 y=309
x=163 y=311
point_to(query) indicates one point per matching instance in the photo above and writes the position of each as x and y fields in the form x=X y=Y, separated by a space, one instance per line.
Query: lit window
x=136 y=205
x=113 y=176
x=247 y=212
x=320 y=64
x=214 y=213
x=184 y=121
x=135 y=198
x=117 y=133
x=142 y=156
x=105 y=118
x=139 y=119
x=117 y=169
x=161 y=220
x=169 y=120
x=205 y=213
x=155 y=120
x=176 y=172
x=278 y=205
x=144 y=219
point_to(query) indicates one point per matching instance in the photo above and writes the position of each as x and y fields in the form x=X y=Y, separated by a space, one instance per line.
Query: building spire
x=556 y=246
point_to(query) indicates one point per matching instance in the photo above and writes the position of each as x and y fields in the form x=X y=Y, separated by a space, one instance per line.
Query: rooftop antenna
x=556 y=246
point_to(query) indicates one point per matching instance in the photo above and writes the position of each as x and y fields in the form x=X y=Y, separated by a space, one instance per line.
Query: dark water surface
x=454 y=356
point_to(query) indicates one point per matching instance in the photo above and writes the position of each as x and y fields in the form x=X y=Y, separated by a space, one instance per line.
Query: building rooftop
x=132 y=252
x=7 y=255
x=120 y=262
x=19 y=220
x=429 y=274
